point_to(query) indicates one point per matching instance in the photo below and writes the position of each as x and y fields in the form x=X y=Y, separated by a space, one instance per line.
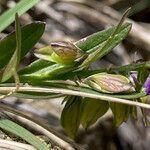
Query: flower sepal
x=109 y=83
x=64 y=53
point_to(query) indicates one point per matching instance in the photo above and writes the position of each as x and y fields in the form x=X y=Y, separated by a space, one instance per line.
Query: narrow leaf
x=98 y=38
x=18 y=130
x=120 y=69
x=108 y=45
x=37 y=95
x=35 y=66
x=14 y=61
x=94 y=40
x=18 y=40
x=50 y=72
x=9 y=16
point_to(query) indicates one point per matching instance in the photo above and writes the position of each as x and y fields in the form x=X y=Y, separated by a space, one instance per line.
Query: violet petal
x=147 y=86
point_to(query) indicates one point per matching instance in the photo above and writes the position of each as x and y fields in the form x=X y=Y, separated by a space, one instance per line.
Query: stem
x=75 y=93
x=17 y=82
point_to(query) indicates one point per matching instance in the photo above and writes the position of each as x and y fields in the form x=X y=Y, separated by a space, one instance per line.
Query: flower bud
x=109 y=83
x=64 y=53
x=44 y=53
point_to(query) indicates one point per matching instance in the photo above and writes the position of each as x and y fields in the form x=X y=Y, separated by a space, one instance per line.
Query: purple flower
x=147 y=86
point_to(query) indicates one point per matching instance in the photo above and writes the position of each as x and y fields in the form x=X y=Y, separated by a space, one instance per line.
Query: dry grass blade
x=61 y=140
x=6 y=144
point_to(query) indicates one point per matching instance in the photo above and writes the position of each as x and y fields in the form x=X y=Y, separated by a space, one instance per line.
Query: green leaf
x=114 y=39
x=30 y=35
x=120 y=69
x=92 y=109
x=121 y=112
x=41 y=64
x=35 y=66
x=108 y=45
x=9 y=16
x=18 y=40
x=49 y=72
x=132 y=67
x=18 y=130
x=92 y=42
x=70 y=117
x=37 y=95
x=14 y=61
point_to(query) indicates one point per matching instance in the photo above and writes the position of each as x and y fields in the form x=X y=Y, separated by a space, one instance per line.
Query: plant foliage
x=63 y=70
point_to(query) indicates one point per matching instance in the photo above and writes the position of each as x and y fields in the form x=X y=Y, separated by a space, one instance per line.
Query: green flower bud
x=109 y=83
x=44 y=53
x=64 y=53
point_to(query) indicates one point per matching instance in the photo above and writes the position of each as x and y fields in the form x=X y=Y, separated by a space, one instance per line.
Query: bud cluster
x=65 y=53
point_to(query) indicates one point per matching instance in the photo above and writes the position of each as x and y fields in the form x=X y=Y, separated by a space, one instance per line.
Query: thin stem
x=75 y=93
x=17 y=82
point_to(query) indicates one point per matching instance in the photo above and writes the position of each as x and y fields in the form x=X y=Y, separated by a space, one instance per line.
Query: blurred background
x=71 y=20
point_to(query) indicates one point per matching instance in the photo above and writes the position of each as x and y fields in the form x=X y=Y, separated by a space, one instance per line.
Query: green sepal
x=64 y=53
x=120 y=112
x=92 y=110
x=71 y=115
x=109 y=83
